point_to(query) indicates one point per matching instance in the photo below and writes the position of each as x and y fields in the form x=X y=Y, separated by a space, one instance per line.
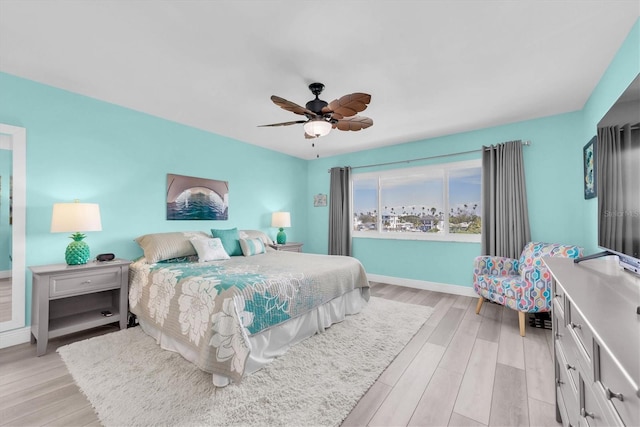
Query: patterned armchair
x=521 y=284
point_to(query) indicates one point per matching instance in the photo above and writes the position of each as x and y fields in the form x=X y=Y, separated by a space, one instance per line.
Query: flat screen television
x=618 y=179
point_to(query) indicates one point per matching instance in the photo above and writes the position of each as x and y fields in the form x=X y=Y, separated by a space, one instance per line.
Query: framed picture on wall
x=320 y=200
x=191 y=198
x=589 y=160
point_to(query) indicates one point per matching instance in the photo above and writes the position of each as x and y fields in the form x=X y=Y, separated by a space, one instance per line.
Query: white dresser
x=596 y=329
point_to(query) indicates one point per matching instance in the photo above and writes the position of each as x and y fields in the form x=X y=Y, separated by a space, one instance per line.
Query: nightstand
x=289 y=247
x=71 y=298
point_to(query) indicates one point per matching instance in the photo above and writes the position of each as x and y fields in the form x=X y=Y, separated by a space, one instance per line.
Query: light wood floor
x=5 y=299
x=460 y=369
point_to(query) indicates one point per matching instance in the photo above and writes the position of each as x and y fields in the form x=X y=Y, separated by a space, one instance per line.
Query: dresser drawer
x=581 y=331
x=617 y=389
x=566 y=384
x=562 y=408
x=83 y=282
x=558 y=309
x=574 y=358
x=558 y=301
x=593 y=408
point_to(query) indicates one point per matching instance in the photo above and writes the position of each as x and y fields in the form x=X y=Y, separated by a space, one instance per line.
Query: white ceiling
x=432 y=67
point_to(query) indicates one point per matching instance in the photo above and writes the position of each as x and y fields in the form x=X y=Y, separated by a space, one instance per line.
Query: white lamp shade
x=281 y=219
x=75 y=217
x=317 y=127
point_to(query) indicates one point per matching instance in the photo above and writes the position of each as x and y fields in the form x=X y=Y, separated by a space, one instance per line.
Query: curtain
x=505 y=215
x=339 y=212
x=615 y=147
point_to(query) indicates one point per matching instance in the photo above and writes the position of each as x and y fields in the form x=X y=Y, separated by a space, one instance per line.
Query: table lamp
x=281 y=220
x=76 y=217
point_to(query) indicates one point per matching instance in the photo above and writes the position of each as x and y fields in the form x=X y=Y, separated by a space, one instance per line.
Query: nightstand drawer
x=65 y=285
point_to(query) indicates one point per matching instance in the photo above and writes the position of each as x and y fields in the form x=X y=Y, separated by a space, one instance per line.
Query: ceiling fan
x=322 y=116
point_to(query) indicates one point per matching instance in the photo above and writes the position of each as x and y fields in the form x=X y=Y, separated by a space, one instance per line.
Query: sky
x=418 y=191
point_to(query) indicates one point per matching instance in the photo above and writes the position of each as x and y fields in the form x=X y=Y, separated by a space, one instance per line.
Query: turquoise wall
x=553 y=168
x=81 y=148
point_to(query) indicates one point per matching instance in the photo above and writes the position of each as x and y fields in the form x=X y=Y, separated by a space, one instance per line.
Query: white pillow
x=209 y=249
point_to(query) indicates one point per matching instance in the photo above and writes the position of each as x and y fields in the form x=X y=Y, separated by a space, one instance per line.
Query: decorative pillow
x=252 y=247
x=230 y=240
x=161 y=246
x=209 y=249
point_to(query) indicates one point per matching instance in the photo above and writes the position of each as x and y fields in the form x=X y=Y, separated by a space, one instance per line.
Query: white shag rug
x=130 y=380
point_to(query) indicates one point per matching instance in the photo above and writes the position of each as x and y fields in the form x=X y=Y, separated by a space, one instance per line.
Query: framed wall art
x=589 y=154
x=320 y=200
x=191 y=198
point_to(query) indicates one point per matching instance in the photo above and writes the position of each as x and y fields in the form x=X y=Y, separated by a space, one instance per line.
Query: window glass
x=438 y=202
x=464 y=200
x=365 y=204
x=412 y=203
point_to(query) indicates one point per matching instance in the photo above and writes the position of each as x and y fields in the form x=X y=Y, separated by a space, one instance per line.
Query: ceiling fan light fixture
x=317 y=127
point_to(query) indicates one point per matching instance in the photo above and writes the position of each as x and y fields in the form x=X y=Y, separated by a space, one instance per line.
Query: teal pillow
x=230 y=240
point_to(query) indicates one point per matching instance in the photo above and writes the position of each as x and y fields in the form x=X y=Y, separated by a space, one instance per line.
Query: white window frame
x=394 y=235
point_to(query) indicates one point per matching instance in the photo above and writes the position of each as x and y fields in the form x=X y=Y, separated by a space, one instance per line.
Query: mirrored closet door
x=12 y=226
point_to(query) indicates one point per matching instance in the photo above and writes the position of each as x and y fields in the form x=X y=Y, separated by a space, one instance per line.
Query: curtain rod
x=525 y=143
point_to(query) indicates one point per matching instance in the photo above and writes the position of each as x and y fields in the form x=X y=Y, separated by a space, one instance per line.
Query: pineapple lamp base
x=281 y=238
x=77 y=252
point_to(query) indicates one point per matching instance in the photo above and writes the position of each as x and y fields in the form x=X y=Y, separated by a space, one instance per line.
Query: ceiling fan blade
x=348 y=105
x=292 y=106
x=283 y=123
x=354 y=123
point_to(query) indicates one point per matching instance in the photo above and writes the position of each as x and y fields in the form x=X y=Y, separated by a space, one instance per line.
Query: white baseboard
x=15 y=337
x=424 y=285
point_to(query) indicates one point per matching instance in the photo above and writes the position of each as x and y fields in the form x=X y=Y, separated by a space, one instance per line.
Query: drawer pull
x=611 y=395
x=569 y=367
x=87 y=282
x=586 y=414
x=575 y=325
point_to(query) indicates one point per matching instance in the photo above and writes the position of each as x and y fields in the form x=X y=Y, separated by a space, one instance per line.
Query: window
x=438 y=202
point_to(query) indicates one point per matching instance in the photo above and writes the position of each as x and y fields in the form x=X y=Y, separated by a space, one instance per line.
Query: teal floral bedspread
x=215 y=306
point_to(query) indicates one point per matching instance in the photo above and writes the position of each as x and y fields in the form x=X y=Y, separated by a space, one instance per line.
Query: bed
x=231 y=315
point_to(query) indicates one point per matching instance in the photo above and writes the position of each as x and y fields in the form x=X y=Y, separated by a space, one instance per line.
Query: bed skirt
x=266 y=345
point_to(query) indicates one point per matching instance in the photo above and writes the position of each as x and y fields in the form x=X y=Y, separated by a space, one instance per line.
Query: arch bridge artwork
x=191 y=198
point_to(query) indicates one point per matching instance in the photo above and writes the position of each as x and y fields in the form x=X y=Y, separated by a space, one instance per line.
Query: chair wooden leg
x=521 y=321
x=479 y=306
